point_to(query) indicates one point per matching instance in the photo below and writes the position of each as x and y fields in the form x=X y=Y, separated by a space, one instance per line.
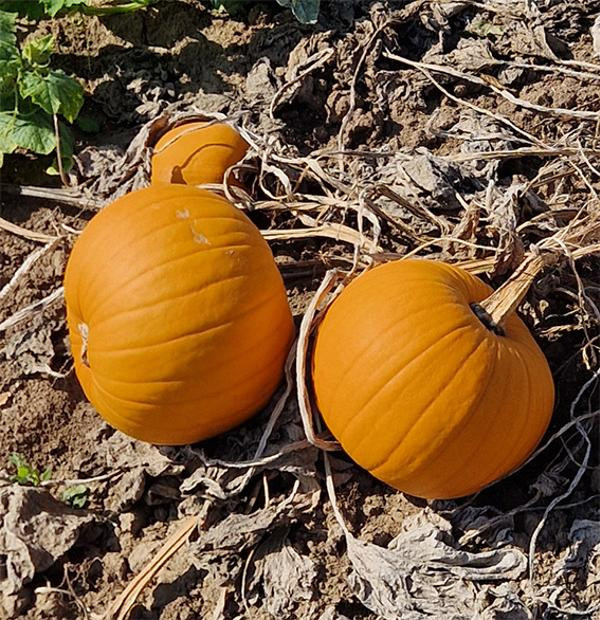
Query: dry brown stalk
x=24 y=232
x=121 y=607
x=25 y=312
x=73 y=196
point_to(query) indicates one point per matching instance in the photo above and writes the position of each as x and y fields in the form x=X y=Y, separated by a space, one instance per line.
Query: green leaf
x=38 y=88
x=66 y=140
x=7 y=144
x=16 y=459
x=9 y=69
x=23 y=472
x=54 y=171
x=80 y=501
x=36 y=9
x=117 y=7
x=76 y=496
x=484 y=28
x=70 y=93
x=46 y=474
x=55 y=93
x=305 y=11
x=33 y=131
x=8 y=25
x=231 y=7
x=38 y=51
x=25 y=8
x=36 y=133
x=8 y=38
x=53 y=7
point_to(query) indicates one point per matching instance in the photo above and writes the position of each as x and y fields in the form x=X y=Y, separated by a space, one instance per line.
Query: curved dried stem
x=331 y=279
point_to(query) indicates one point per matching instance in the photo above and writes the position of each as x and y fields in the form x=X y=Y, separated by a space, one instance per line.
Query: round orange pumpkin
x=196 y=153
x=420 y=389
x=178 y=317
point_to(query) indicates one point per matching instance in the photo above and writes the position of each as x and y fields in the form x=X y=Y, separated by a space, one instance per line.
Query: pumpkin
x=421 y=389
x=196 y=153
x=178 y=318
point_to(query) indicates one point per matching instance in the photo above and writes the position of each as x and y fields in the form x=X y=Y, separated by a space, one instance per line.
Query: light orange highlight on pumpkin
x=196 y=153
x=418 y=391
x=178 y=318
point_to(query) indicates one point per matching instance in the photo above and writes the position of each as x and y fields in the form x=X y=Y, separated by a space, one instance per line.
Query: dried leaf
x=261 y=81
x=507 y=604
x=585 y=547
x=218 y=550
x=126 y=491
x=469 y=55
x=32 y=348
x=285 y=575
x=420 y=574
x=431 y=180
x=126 y=453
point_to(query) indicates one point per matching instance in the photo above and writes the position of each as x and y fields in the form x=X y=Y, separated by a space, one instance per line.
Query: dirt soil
x=485 y=144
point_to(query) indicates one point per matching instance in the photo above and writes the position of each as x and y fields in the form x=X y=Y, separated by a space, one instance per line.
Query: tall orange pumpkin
x=419 y=391
x=178 y=317
x=196 y=153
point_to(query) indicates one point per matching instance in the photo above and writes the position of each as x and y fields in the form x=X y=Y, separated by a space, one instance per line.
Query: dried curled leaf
x=419 y=573
x=218 y=550
x=285 y=575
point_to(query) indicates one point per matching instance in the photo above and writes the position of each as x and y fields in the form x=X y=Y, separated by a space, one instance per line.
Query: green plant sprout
x=76 y=495
x=25 y=473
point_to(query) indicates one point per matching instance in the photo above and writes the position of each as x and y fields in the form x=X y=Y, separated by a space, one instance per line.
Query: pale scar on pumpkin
x=198 y=236
x=84 y=331
x=183 y=214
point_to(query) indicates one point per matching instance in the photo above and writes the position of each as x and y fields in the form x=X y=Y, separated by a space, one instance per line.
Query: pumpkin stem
x=505 y=300
x=486 y=319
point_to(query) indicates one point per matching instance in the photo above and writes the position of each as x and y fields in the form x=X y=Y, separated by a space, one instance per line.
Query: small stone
x=131 y=522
